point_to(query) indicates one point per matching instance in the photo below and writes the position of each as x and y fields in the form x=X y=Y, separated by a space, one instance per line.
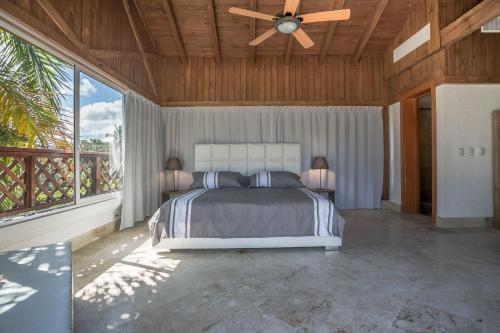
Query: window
x=40 y=126
x=101 y=148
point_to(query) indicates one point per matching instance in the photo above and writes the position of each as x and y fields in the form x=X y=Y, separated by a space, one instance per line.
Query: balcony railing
x=33 y=179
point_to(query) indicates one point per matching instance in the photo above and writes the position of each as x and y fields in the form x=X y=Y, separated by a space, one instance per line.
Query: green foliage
x=9 y=137
x=96 y=145
x=31 y=82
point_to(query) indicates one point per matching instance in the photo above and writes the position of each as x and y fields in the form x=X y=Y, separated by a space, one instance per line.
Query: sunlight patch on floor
x=142 y=267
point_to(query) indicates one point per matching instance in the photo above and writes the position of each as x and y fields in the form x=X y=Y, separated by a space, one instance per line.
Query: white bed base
x=329 y=243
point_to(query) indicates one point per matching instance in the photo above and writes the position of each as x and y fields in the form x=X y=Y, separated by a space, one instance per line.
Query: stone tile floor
x=395 y=273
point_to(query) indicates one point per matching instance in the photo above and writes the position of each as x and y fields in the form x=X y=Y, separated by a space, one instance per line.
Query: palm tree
x=31 y=85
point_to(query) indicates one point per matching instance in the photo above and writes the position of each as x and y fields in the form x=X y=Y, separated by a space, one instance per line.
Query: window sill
x=83 y=203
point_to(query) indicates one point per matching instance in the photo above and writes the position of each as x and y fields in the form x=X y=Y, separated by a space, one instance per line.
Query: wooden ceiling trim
x=149 y=72
x=215 y=34
x=60 y=22
x=379 y=10
x=253 y=49
x=174 y=28
x=327 y=40
x=469 y=22
x=145 y=24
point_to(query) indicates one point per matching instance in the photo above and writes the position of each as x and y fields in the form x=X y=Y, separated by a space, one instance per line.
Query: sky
x=100 y=107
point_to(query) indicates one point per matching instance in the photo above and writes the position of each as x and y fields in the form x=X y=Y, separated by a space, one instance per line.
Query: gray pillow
x=218 y=179
x=275 y=179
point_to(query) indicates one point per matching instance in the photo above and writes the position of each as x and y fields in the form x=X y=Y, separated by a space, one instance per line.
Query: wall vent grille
x=492 y=26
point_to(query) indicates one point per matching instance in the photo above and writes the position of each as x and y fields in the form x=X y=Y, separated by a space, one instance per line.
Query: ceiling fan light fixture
x=287 y=24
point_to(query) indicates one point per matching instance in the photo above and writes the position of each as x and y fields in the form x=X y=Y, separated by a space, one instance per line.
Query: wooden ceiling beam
x=137 y=37
x=327 y=40
x=60 y=22
x=146 y=26
x=379 y=10
x=215 y=34
x=174 y=28
x=469 y=22
x=253 y=49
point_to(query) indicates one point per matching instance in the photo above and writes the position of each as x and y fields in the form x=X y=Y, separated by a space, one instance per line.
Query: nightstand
x=327 y=193
x=168 y=194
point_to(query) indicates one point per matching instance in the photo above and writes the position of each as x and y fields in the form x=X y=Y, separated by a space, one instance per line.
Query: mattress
x=244 y=213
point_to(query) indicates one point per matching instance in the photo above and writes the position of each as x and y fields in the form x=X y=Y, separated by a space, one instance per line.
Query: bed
x=247 y=217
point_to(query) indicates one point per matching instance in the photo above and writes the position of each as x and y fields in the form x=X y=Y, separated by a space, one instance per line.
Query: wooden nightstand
x=327 y=193
x=167 y=195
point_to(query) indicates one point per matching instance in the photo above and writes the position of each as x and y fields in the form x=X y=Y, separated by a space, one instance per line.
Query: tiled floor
x=395 y=273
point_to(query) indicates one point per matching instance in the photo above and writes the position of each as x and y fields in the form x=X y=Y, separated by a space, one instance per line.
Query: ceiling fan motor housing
x=286 y=24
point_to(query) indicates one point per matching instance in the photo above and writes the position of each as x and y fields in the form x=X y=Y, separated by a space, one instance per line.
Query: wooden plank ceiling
x=200 y=24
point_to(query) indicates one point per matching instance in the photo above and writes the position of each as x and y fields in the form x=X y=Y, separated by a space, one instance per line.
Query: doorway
x=418 y=150
x=425 y=152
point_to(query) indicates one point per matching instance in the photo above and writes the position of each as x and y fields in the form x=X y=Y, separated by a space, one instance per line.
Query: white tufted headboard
x=247 y=158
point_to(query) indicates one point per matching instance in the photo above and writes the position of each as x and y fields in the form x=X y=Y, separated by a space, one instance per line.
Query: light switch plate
x=480 y=151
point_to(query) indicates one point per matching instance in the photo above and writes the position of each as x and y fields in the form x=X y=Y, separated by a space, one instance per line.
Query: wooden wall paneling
x=475 y=58
x=269 y=80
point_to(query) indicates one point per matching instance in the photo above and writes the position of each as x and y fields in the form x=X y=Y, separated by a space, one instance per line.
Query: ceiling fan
x=289 y=21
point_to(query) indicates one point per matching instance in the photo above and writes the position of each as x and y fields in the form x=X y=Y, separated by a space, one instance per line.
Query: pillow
x=275 y=179
x=218 y=179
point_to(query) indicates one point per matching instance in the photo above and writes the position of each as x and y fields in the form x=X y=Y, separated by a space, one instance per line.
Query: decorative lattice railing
x=32 y=179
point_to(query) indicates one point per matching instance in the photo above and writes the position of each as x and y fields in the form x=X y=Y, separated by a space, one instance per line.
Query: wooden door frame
x=410 y=166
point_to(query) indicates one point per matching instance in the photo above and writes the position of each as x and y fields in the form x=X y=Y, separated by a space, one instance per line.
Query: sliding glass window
x=101 y=144
x=46 y=106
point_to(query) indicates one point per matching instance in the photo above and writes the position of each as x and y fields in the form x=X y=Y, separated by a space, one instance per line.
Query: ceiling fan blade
x=291 y=6
x=251 y=13
x=303 y=38
x=332 y=15
x=263 y=37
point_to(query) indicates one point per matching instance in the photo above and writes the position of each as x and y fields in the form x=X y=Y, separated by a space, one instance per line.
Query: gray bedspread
x=249 y=212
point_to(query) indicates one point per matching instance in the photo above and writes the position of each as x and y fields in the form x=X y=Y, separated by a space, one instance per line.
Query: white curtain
x=351 y=138
x=143 y=176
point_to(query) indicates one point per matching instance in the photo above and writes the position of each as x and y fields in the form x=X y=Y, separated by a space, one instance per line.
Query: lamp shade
x=319 y=162
x=173 y=164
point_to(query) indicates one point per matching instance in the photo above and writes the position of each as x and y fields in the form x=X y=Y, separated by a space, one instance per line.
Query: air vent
x=492 y=26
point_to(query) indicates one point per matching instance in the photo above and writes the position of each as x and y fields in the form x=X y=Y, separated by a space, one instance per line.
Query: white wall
x=58 y=227
x=465 y=183
x=395 y=154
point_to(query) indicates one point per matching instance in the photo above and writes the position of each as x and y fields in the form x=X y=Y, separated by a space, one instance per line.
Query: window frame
x=80 y=65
